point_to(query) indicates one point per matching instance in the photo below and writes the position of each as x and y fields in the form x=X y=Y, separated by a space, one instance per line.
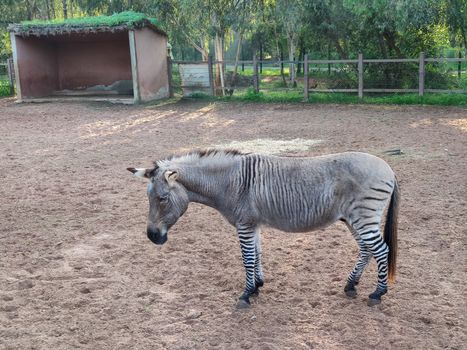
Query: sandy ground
x=77 y=271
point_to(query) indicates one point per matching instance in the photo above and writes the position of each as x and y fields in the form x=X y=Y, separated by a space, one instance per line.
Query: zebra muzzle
x=157 y=237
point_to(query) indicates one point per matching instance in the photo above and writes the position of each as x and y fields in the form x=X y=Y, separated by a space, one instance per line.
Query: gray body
x=302 y=194
x=290 y=194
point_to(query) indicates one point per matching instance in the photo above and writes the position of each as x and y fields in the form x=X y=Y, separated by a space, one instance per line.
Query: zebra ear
x=142 y=172
x=171 y=176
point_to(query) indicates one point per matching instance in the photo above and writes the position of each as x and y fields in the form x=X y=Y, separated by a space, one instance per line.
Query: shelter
x=119 y=58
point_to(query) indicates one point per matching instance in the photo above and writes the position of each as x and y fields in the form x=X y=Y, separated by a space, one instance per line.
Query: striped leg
x=247 y=236
x=259 y=276
x=373 y=240
x=364 y=257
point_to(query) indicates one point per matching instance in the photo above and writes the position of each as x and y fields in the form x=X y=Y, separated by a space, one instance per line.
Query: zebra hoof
x=350 y=290
x=351 y=293
x=243 y=304
x=372 y=302
x=255 y=293
x=375 y=297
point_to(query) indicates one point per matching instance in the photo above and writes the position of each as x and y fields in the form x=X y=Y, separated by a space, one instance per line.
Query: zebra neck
x=205 y=185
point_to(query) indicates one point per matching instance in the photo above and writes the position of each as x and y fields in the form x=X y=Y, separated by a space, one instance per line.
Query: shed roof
x=117 y=22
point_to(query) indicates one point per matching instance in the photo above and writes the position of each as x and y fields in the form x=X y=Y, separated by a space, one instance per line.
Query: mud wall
x=151 y=54
x=96 y=61
x=37 y=66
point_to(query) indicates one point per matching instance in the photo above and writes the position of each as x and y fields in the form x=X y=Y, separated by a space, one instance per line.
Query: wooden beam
x=15 y=61
x=134 y=66
x=421 y=74
x=169 y=72
x=11 y=75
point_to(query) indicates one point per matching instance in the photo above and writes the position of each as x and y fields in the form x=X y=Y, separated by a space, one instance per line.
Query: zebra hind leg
x=374 y=242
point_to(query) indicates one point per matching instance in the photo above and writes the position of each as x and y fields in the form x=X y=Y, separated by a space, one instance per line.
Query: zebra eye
x=164 y=198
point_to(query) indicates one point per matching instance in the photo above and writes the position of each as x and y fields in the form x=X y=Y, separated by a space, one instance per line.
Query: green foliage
x=252 y=95
x=4 y=87
x=128 y=18
x=200 y=95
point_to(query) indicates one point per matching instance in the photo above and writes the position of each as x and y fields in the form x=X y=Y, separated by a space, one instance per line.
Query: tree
x=289 y=14
x=456 y=19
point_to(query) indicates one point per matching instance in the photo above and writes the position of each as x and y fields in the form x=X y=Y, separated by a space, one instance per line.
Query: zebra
x=292 y=194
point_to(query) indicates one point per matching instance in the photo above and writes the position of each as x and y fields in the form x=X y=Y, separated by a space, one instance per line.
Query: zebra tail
x=390 y=231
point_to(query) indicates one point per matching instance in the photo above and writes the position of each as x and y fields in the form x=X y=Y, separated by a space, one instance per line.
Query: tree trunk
x=53 y=10
x=284 y=81
x=291 y=45
x=340 y=51
x=261 y=57
x=203 y=51
x=47 y=7
x=65 y=9
x=300 y=57
x=237 y=57
x=219 y=56
x=31 y=10
x=464 y=39
x=391 y=42
x=280 y=56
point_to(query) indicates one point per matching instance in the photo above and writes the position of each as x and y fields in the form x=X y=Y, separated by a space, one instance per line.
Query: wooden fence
x=8 y=68
x=421 y=61
x=360 y=64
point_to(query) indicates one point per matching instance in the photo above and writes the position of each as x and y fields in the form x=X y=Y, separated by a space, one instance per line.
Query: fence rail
x=418 y=69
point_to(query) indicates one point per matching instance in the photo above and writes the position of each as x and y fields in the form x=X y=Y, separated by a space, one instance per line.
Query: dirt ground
x=77 y=271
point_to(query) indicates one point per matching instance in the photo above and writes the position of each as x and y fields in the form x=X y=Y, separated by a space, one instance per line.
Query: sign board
x=195 y=78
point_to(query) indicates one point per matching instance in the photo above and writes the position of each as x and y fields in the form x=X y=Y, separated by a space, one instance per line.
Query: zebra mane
x=200 y=155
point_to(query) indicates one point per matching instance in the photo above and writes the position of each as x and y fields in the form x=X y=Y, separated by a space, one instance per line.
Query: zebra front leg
x=364 y=256
x=247 y=236
x=259 y=276
x=354 y=277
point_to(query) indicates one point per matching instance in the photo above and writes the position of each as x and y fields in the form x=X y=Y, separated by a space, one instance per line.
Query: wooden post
x=255 y=75
x=169 y=72
x=19 y=95
x=211 y=79
x=421 y=74
x=11 y=78
x=306 y=86
x=360 y=75
x=134 y=67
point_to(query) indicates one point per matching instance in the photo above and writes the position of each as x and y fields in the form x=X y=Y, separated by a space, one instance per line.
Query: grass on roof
x=128 y=18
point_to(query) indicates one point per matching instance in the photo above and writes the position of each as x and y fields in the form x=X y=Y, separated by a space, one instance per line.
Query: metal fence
x=360 y=76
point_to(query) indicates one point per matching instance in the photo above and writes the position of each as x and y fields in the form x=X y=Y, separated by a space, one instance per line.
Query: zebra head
x=168 y=201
